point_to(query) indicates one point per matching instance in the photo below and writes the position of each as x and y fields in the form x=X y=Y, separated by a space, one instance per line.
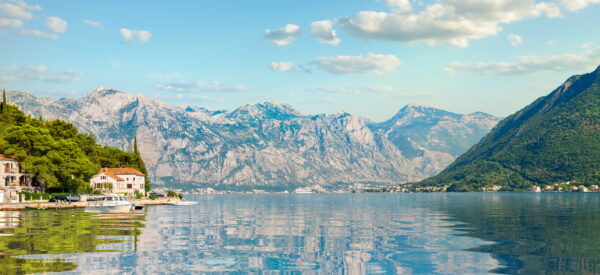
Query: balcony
x=11 y=170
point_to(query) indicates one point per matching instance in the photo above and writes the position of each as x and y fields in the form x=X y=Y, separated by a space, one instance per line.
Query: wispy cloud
x=200 y=86
x=514 y=39
x=283 y=36
x=13 y=12
x=358 y=90
x=43 y=73
x=575 y=5
x=130 y=36
x=532 y=64
x=370 y=90
x=18 y=9
x=92 y=23
x=287 y=67
x=370 y=63
x=40 y=34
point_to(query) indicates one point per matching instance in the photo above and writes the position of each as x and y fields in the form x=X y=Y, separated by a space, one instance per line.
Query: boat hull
x=121 y=208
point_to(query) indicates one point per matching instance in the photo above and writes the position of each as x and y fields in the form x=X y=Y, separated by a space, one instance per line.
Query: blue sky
x=366 y=57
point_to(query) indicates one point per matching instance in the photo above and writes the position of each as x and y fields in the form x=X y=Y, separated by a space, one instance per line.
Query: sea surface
x=473 y=233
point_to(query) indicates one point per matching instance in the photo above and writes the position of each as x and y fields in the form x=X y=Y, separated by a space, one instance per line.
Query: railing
x=11 y=170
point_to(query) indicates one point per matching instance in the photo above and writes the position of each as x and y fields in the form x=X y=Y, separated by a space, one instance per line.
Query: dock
x=55 y=206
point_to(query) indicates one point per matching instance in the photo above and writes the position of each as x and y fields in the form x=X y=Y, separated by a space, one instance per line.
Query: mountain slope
x=267 y=144
x=554 y=139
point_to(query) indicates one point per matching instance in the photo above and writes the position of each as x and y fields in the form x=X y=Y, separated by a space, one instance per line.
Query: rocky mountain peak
x=266 y=110
x=102 y=92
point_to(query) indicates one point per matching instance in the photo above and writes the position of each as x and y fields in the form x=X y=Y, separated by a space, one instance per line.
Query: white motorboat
x=182 y=202
x=303 y=190
x=110 y=204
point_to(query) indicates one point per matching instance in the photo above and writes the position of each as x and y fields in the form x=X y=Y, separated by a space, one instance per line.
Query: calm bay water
x=316 y=233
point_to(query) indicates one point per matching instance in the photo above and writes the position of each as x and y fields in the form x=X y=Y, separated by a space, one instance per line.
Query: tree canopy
x=56 y=153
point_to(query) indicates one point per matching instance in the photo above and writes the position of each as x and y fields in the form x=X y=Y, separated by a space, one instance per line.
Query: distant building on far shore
x=119 y=181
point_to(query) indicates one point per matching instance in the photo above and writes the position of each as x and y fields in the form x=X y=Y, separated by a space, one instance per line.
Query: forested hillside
x=555 y=139
x=55 y=152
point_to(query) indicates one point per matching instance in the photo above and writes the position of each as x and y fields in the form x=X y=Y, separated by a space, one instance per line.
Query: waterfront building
x=119 y=181
x=14 y=180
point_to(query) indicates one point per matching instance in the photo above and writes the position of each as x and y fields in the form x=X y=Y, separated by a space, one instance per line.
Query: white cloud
x=18 y=9
x=575 y=5
x=40 y=34
x=452 y=21
x=369 y=90
x=130 y=36
x=6 y=78
x=403 y=5
x=359 y=90
x=13 y=12
x=287 y=67
x=56 y=24
x=8 y=23
x=92 y=23
x=587 y=45
x=515 y=39
x=41 y=72
x=532 y=64
x=283 y=36
x=371 y=63
x=324 y=32
x=200 y=86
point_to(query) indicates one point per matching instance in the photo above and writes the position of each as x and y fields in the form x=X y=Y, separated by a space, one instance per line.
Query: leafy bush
x=41 y=196
x=152 y=196
x=171 y=194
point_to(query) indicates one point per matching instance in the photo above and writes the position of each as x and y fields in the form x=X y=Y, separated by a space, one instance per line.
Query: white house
x=119 y=181
x=13 y=180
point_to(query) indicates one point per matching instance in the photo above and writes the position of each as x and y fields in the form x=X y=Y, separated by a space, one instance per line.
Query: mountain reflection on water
x=316 y=233
x=532 y=233
x=348 y=233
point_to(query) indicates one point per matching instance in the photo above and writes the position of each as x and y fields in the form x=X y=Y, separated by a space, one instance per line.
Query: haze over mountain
x=553 y=140
x=268 y=144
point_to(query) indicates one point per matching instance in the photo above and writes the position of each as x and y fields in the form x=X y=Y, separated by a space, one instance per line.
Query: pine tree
x=3 y=106
x=135 y=146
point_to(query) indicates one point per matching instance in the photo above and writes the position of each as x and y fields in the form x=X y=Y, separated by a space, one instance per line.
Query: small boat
x=110 y=204
x=36 y=208
x=186 y=203
x=303 y=190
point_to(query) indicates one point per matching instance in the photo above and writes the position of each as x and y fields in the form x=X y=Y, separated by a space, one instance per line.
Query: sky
x=368 y=57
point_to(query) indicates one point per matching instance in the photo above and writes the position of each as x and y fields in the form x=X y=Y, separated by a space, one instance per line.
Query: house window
x=103 y=177
x=129 y=186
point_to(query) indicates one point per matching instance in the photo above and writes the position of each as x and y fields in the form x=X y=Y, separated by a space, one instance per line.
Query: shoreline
x=81 y=204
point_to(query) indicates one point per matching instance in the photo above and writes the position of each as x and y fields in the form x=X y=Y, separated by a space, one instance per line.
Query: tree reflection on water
x=27 y=234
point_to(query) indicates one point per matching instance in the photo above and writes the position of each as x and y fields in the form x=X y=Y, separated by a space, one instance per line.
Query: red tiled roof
x=2 y=156
x=122 y=171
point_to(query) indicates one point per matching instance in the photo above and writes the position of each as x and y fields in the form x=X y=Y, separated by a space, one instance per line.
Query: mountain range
x=267 y=145
x=554 y=140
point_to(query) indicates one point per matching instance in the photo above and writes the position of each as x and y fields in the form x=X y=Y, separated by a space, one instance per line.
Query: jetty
x=80 y=204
